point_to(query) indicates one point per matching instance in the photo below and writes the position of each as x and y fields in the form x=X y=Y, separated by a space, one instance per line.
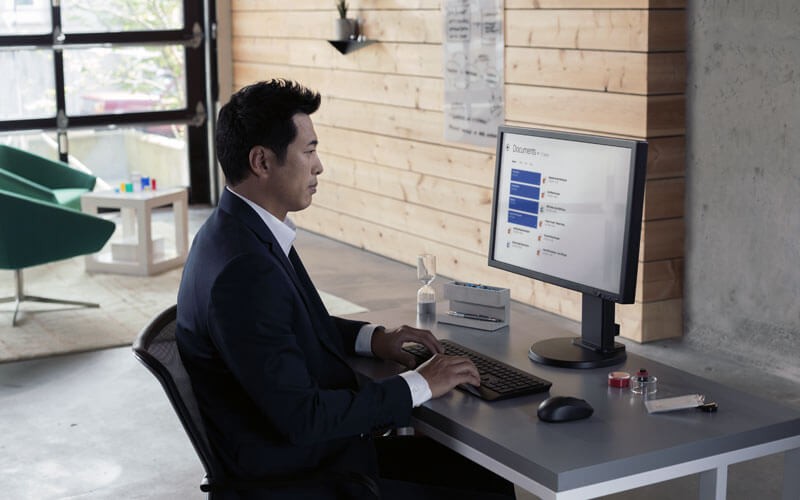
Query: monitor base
x=567 y=352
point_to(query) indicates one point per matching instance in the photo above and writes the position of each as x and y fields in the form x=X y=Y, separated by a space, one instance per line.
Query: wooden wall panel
x=662 y=239
x=395 y=90
x=595 y=4
x=411 y=190
x=285 y=24
x=408 y=123
x=620 y=72
x=387 y=58
x=646 y=322
x=666 y=157
x=409 y=26
x=356 y=5
x=394 y=186
x=663 y=199
x=444 y=160
x=660 y=280
x=427 y=221
x=391 y=89
x=626 y=30
x=620 y=114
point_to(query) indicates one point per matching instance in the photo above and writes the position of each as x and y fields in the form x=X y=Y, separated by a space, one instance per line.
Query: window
x=108 y=79
x=28 y=84
x=87 y=16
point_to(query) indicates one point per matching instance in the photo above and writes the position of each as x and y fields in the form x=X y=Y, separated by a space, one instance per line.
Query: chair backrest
x=10 y=181
x=49 y=173
x=157 y=349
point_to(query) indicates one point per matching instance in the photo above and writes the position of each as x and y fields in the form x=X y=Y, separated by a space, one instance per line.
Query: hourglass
x=426 y=296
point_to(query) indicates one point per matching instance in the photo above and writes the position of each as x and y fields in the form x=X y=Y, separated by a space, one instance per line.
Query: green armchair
x=43 y=179
x=34 y=232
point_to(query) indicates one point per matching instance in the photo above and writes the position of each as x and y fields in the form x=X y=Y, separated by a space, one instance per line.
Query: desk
x=137 y=252
x=618 y=448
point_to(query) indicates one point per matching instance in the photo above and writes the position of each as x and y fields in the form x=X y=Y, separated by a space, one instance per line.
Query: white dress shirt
x=285 y=232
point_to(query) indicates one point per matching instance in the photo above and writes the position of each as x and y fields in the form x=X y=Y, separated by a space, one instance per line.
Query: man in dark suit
x=266 y=359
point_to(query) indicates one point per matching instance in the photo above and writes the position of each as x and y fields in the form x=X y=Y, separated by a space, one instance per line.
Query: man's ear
x=261 y=159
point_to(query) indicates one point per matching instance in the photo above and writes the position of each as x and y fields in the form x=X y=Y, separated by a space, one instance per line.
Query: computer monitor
x=567 y=210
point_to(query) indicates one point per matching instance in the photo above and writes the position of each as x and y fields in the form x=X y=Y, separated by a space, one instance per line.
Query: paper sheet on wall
x=473 y=70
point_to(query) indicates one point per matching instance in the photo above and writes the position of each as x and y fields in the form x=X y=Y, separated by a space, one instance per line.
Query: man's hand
x=388 y=344
x=443 y=373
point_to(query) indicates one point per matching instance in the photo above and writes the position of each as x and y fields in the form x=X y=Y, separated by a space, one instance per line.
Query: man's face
x=292 y=183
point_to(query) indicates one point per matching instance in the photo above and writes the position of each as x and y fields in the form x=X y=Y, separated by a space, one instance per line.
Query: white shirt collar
x=284 y=231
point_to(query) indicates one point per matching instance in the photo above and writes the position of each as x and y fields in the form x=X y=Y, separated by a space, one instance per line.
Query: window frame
x=199 y=45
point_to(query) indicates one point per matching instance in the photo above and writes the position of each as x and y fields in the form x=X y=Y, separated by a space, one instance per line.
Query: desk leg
x=791 y=478
x=180 y=212
x=714 y=483
x=128 y=216
x=144 y=251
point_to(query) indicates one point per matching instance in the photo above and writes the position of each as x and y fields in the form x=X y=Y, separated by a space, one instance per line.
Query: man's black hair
x=260 y=115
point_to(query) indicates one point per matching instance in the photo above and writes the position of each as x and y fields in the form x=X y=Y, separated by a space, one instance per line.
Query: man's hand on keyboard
x=388 y=344
x=443 y=373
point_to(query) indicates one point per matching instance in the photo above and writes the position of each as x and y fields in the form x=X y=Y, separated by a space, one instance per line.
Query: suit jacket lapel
x=318 y=307
x=295 y=270
x=236 y=207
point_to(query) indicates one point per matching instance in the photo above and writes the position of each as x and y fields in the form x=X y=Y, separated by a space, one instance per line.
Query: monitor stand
x=593 y=349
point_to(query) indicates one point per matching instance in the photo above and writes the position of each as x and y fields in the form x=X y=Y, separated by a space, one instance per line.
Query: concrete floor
x=97 y=425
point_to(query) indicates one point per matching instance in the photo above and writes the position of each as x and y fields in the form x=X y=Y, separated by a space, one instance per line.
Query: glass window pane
x=27 y=84
x=25 y=17
x=124 y=79
x=102 y=16
x=40 y=143
x=113 y=155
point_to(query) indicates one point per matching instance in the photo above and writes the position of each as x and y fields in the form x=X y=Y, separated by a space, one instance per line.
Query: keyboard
x=498 y=380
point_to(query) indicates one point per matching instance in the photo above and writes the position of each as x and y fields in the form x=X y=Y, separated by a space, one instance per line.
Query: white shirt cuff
x=364 y=340
x=420 y=390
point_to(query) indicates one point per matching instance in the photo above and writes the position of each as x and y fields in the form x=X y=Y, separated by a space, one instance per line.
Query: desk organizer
x=480 y=300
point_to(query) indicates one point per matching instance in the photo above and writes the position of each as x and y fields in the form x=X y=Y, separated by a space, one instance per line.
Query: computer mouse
x=563 y=409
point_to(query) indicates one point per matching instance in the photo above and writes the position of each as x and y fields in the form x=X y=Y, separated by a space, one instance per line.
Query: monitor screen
x=567 y=210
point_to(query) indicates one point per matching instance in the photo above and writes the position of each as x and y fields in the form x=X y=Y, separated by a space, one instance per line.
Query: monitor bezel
x=634 y=208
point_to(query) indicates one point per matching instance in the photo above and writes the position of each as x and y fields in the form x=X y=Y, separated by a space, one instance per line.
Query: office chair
x=35 y=232
x=156 y=348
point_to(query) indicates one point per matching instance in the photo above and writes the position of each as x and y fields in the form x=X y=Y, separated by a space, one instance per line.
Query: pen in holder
x=476 y=306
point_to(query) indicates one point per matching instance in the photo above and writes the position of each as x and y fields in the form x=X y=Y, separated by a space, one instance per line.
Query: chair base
x=21 y=297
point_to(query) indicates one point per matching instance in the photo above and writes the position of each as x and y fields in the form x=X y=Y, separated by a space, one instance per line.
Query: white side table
x=136 y=252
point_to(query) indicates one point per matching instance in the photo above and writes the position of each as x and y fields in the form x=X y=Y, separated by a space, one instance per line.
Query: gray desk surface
x=619 y=439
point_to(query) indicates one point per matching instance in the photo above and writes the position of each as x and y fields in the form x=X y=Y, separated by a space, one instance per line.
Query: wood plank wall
x=394 y=186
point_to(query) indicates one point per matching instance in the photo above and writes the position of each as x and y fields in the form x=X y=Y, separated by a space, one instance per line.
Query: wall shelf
x=347 y=46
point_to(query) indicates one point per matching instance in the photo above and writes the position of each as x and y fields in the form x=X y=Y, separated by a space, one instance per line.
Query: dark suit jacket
x=267 y=361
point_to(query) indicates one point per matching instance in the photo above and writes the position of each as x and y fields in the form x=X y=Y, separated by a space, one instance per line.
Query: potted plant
x=344 y=28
